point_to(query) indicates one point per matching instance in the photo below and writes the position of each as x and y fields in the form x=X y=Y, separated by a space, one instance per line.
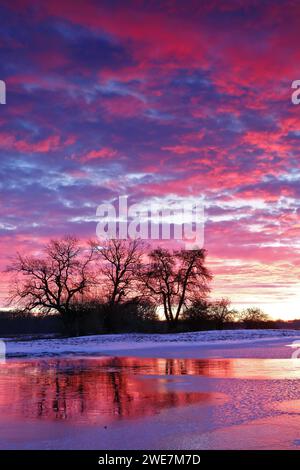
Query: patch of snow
x=108 y=344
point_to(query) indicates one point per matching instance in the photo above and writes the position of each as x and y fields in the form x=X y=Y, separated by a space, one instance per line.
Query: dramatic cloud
x=156 y=100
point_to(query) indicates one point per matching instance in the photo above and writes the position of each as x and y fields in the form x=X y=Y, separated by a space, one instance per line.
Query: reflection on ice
x=94 y=390
x=111 y=388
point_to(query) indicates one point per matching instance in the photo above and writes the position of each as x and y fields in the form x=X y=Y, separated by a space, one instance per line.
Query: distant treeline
x=117 y=286
x=129 y=317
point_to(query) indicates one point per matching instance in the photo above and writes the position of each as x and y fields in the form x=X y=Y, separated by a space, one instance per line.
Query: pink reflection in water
x=93 y=390
x=108 y=389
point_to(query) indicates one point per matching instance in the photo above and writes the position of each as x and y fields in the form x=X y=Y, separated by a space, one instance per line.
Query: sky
x=159 y=100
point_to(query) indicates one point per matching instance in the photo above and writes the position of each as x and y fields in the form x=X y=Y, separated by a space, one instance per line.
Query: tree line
x=123 y=280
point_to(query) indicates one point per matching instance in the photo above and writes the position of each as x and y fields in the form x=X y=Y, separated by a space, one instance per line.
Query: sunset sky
x=158 y=100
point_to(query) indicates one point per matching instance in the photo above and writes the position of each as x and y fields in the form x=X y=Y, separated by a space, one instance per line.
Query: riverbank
x=225 y=343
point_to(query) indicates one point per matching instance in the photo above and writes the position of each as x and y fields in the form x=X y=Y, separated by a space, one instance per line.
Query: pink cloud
x=105 y=153
x=54 y=142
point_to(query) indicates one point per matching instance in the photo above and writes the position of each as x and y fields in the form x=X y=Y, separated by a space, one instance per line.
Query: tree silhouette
x=120 y=263
x=176 y=279
x=52 y=282
x=253 y=317
x=220 y=312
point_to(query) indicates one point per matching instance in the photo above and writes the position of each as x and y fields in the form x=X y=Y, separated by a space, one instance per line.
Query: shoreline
x=224 y=343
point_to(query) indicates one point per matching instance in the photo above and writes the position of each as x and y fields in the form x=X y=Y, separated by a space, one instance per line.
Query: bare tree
x=220 y=312
x=176 y=279
x=197 y=312
x=253 y=317
x=54 y=281
x=120 y=263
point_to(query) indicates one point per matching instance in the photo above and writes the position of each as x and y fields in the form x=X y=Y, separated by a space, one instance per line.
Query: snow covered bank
x=193 y=344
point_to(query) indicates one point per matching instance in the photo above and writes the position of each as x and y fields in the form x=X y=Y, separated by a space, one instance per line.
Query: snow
x=192 y=344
